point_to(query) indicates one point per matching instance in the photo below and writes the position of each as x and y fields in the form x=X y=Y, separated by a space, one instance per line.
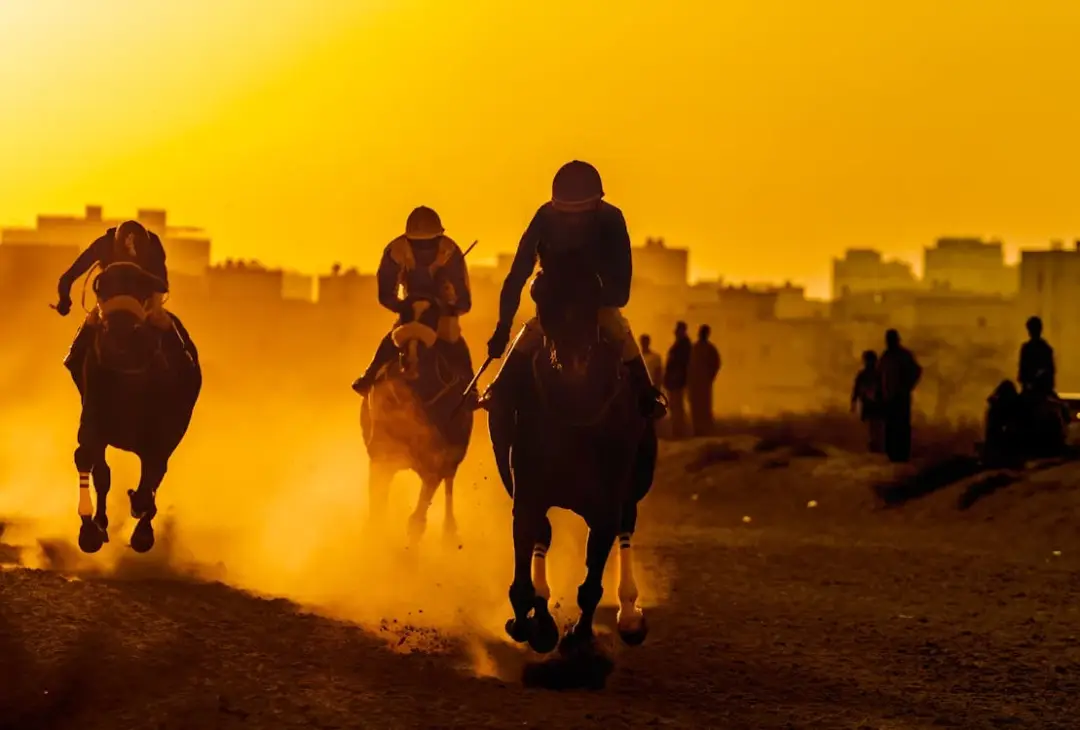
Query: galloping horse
x=411 y=419
x=579 y=443
x=139 y=387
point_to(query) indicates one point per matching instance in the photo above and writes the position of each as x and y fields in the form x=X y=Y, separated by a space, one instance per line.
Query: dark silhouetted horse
x=139 y=387
x=579 y=443
x=1023 y=425
x=411 y=420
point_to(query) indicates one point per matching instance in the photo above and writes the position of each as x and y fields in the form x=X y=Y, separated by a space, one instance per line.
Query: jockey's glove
x=63 y=307
x=499 y=340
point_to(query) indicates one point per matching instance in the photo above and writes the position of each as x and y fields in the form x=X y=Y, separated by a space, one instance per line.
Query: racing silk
x=598 y=239
x=104 y=251
x=434 y=268
x=1037 y=364
x=899 y=372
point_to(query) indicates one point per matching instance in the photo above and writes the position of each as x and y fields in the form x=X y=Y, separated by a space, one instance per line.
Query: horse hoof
x=90 y=537
x=519 y=631
x=142 y=539
x=545 y=634
x=635 y=637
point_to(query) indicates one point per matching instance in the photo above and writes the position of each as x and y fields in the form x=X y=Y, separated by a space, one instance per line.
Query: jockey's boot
x=76 y=356
x=383 y=356
x=651 y=400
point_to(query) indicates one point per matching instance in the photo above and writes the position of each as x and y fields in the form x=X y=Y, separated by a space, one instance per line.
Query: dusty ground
x=906 y=598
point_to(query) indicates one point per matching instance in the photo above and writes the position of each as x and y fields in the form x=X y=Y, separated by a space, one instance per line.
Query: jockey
x=576 y=220
x=129 y=242
x=423 y=262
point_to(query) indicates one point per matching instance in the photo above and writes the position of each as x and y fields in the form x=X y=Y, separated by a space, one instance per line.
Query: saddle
x=434 y=375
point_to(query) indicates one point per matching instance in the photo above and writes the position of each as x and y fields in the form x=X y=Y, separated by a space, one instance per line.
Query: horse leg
x=630 y=619
x=88 y=455
x=532 y=623
x=144 y=503
x=418 y=519
x=102 y=475
x=450 y=531
x=601 y=538
x=545 y=630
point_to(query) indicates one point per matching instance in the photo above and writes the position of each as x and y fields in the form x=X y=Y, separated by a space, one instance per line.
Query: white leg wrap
x=539 y=572
x=86 y=504
x=630 y=616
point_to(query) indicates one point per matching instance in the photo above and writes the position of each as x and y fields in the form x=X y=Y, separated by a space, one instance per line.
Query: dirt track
x=940 y=612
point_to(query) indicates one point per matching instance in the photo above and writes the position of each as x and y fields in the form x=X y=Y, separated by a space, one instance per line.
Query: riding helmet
x=576 y=186
x=423 y=224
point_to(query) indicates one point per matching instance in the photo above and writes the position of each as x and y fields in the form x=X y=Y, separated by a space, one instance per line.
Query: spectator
x=675 y=377
x=704 y=367
x=653 y=363
x=898 y=373
x=866 y=396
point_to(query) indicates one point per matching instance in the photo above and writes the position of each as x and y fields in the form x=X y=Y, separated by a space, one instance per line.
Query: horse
x=578 y=442
x=139 y=389
x=411 y=419
x=1023 y=425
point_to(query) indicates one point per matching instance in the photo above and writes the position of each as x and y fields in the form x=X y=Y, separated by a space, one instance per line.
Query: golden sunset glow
x=302 y=132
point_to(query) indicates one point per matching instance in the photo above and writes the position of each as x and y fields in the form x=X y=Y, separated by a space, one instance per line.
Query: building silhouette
x=778 y=346
x=1050 y=289
x=969 y=265
x=865 y=271
x=187 y=248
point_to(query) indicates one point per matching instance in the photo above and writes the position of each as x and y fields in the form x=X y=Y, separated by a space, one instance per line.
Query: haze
x=302 y=133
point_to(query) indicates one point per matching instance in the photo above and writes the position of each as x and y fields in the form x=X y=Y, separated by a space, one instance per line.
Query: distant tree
x=960 y=373
x=834 y=366
x=336 y=268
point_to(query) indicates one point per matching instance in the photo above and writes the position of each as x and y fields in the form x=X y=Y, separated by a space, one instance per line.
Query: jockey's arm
x=387 y=278
x=618 y=263
x=520 y=271
x=457 y=275
x=93 y=254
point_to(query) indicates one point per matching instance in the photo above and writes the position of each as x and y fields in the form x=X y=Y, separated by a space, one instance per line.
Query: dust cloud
x=268 y=493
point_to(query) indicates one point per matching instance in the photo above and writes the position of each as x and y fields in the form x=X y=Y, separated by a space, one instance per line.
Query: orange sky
x=767 y=135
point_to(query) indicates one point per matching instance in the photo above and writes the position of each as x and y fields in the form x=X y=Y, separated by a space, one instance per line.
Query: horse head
x=416 y=336
x=568 y=300
x=126 y=342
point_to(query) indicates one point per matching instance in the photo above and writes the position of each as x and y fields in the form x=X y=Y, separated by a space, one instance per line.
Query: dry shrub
x=806 y=433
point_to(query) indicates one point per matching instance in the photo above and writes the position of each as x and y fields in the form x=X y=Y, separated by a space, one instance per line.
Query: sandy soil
x=906 y=597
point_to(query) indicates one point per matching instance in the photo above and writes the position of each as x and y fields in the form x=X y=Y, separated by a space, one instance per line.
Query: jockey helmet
x=423 y=225
x=576 y=186
x=130 y=238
